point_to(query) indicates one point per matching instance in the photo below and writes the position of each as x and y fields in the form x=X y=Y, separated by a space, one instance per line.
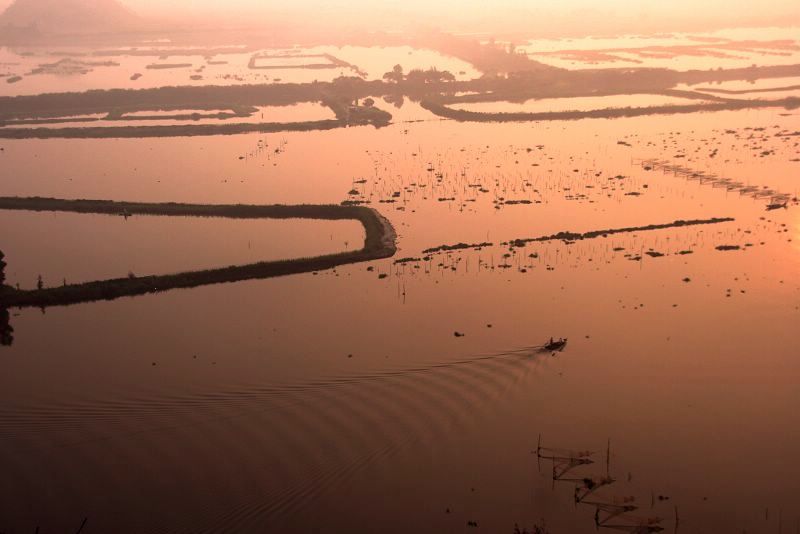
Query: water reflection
x=321 y=394
x=6 y=330
x=796 y=238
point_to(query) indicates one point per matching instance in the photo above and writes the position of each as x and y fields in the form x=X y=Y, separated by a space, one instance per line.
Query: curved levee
x=379 y=243
x=442 y=110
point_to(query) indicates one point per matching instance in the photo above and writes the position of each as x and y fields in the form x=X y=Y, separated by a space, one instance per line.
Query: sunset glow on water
x=399 y=267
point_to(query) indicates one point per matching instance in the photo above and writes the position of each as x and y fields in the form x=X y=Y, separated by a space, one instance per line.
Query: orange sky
x=570 y=16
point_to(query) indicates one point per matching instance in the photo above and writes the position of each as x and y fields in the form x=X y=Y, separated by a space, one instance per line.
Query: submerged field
x=409 y=394
x=730 y=48
x=61 y=69
x=296 y=113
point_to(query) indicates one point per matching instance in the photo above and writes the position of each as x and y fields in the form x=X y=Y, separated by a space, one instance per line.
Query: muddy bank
x=577 y=236
x=378 y=243
x=572 y=236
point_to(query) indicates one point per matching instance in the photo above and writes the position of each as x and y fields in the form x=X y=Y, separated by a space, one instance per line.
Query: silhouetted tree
x=2 y=269
x=345 y=85
x=421 y=77
x=397 y=100
x=395 y=75
x=39 y=282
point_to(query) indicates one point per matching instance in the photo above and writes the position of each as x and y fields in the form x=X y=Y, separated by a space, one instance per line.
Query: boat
x=556 y=345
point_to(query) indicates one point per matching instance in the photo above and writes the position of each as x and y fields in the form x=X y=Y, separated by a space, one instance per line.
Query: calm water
x=576 y=104
x=343 y=402
x=118 y=69
x=96 y=247
x=285 y=114
x=729 y=48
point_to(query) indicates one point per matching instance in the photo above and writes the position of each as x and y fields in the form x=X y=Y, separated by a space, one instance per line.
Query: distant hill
x=69 y=16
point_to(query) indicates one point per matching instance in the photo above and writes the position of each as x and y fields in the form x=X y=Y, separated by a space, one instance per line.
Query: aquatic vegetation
x=458 y=246
x=576 y=236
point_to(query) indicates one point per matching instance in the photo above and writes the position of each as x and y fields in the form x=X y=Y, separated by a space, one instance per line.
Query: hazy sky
x=705 y=7
x=569 y=15
x=660 y=5
x=684 y=7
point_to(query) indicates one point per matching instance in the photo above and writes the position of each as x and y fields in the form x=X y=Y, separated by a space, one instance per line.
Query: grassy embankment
x=442 y=110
